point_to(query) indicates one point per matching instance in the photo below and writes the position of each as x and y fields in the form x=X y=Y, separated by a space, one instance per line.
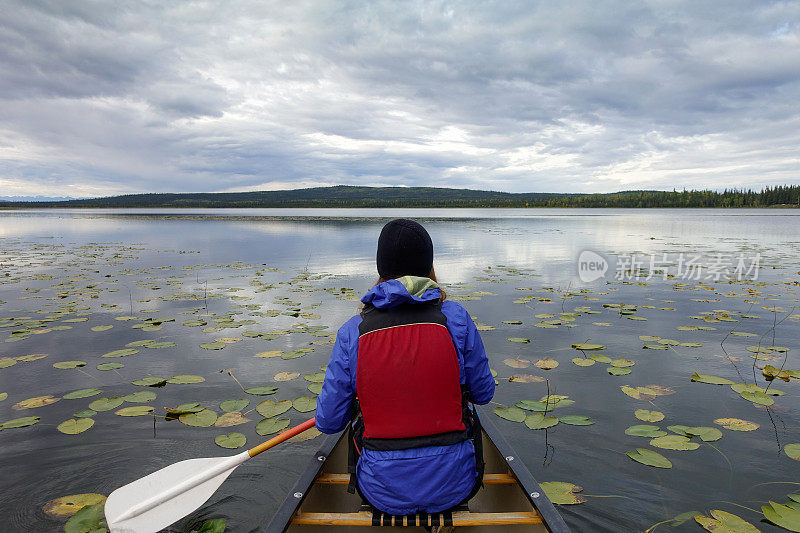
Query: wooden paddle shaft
x=286 y=435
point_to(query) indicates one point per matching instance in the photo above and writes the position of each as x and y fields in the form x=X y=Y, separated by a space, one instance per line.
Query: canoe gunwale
x=551 y=518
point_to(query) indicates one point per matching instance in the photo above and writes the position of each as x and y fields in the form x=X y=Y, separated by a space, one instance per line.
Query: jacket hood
x=407 y=289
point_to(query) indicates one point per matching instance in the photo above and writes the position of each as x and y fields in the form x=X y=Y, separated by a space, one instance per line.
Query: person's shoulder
x=349 y=327
x=449 y=307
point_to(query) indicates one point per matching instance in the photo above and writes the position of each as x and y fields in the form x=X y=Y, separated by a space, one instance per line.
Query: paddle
x=153 y=502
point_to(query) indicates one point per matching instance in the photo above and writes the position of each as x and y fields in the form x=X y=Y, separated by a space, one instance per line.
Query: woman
x=408 y=363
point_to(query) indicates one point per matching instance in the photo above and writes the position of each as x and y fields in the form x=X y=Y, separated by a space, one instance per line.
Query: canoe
x=510 y=501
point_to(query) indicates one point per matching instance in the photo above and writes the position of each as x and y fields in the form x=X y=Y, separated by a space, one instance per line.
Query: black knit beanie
x=404 y=249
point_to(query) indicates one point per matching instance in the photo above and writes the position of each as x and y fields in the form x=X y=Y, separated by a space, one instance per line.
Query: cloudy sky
x=100 y=98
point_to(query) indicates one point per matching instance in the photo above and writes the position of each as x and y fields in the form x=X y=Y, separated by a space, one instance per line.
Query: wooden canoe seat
x=458 y=518
x=344 y=479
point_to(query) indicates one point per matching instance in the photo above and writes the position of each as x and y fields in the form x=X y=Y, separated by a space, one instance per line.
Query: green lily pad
x=273 y=408
x=649 y=338
x=713 y=380
x=540 y=421
x=600 y=358
x=520 y=340
x=562 y=493
x=142 y=396
x=674 y=442
x=737 y=424
x=232 y=418
x=269 y=426
x=655 y=347
x=649 y=458
x=782 y=515
x=69 y=364
x=649 y=416
x=216 y=345
x=203 y=419
x=82 y=393
x=706 y=434
x=265 y=390
x=86 y=413
x=531 y=405
x=725 y=523
x=317 y=377
x=109 y=366
x=6 y=362
x=121 y=353
x=575 y=420
x=583 y=361
x=234 y=405
x=136 y=410
x=150 y=381
x=230 y=441
x=74 y=426
x=184 y=408
x=89 y=519
x=514 y=414
x=304 y=404
x=645 y=430
x=315 y=388
x=680 y=430
x=3 y=396
x=757 y=397
x=25 y=421
x=101 y=328
x=793 y=451
x=67 y=506
x=186 y=378
x=37 y=401
x=588 y=346
x=615 y=371
x=106 y=404
x=622 y=363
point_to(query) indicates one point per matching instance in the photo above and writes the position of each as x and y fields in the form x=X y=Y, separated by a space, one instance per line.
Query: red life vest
x=407 y=378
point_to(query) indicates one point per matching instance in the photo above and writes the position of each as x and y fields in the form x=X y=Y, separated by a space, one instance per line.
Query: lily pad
x=82 y=393
x=216 y=345
x=150 y=381
x=67 y=506
x=639 y=393
x=674 y=442
x=273 y=408
x=655 y=347
x=737 y=424
x=546 y=364
x=588 y=346
x=74 y=426
x=600 y=358
x=101 y=328
x=185 y=379
x=316 y=388
x=793 y=451
x=140 y=397
x=713 y=380
x=757 y=397
x=615 y=371
x=645 y=430
x=514 y=414
x=184 y=408
x=562 y=493
x=304 y=404
x=106 y=404
x=38 y=401
x=64 y=365
x=265 y=390
x=86 y=413
x=622 y=363
x=25 y=421
x=706 y=434
x=517 y=363
x=649 y=416
x=269 y=426
x=109 y=366
x=136 y=410
x=583 y=361
x=6 y=362
x=89 y=519
x=725 y=523
x=540 y=421
x=649 y=458
x=3 y=396
x=782 y=515
x=525 y=378
x=233 y=418
x=575 y=420
x=285 y=376
x=234 y=405
x=203 y=419
x=230 y=441
x=316 y=377
x=520 y=340
x=121 y=353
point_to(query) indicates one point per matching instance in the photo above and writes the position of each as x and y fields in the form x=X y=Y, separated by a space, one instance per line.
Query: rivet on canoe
x=320 y=458
x=535 y=494
x=509 y=458
x=298 y=494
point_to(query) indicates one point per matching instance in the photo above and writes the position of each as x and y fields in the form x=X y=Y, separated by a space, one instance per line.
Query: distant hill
x=35 y=198
x=354 y=197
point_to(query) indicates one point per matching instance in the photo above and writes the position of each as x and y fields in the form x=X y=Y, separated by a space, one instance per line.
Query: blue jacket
x=431 y=478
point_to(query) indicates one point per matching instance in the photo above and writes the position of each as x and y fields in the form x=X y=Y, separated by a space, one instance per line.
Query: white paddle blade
x=155 y=501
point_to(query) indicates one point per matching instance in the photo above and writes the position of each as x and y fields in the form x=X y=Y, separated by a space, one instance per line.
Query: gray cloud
x=101 y=98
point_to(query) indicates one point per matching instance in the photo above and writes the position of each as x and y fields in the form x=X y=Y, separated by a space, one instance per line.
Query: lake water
x=679 y=276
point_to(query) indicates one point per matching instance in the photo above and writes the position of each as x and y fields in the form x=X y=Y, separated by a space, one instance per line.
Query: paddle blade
x=155 y=501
